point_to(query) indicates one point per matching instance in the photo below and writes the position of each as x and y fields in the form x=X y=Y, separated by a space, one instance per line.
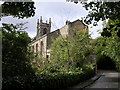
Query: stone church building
x=44 y=36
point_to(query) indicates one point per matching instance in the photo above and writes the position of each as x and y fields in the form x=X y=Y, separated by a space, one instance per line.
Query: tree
x=68 y=51
x=15 y=61
x=111 y=26
x=18 y=9
x=111 y=33
x=109 y=45
x=112 y=48
x=102 y=11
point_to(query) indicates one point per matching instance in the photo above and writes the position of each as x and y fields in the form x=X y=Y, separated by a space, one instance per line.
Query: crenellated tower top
x=43 y=28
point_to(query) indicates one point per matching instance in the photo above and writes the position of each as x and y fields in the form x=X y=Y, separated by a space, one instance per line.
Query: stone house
x=43 y=38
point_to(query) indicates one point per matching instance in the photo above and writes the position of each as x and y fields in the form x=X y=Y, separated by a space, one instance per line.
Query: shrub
x=52 y=80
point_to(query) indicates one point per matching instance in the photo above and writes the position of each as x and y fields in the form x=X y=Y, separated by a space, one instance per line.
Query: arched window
x=44 y=31
x=36 y=47
x=33 y=48
x=41 y=47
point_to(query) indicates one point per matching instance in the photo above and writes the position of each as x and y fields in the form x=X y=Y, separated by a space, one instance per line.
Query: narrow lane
x=109 y=79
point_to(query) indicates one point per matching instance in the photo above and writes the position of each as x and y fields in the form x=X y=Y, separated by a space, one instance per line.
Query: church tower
x=43 y=28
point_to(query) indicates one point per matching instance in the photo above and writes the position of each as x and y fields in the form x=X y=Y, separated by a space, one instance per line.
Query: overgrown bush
x=109 y=43
x=51 y=80
x=15 y=60
x=109 y=47
x=73 y=50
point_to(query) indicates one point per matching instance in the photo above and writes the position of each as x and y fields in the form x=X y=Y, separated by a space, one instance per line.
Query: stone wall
x=42 y=44
x=77 y=25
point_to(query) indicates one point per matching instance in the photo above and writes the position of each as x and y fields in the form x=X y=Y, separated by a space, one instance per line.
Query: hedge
x=44 y=81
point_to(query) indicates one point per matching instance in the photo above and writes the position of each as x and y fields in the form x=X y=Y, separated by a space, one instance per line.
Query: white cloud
x=59 y=12
x=1 y=2
x=94 y=30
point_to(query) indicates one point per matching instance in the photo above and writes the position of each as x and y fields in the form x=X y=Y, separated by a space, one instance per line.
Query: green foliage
x=112 y=49
x=38 y=62
x=68 y=51
x=102 y=11
x=15 y=61
x=112 y=25
x=18 y=9
x=60 y=71
x=48 y=81
x=109 y=46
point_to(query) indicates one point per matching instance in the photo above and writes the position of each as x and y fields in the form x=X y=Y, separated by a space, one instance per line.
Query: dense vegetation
x=108 y=44
x=72 y=57
x=68 y=51
x=59 y=72
x=110 y=36
x=20 y=9
x=15 y=41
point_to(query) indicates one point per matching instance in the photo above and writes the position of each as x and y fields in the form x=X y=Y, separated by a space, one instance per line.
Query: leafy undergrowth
x=56 y=80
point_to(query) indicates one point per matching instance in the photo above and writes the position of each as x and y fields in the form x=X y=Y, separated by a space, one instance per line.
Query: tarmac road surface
x=109 y=80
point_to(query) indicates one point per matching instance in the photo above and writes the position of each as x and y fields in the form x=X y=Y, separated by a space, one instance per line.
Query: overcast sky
x=59 y=12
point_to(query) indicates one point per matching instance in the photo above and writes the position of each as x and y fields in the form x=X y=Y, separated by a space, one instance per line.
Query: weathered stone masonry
x=43 y=38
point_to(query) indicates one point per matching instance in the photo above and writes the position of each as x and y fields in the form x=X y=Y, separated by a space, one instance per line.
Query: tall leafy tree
x=109 y=46
x=18 y=9
x=102 y=11
x=15 y=61
x=108 y=43
x=111 y=26
x=68 y=51
x=110 y=33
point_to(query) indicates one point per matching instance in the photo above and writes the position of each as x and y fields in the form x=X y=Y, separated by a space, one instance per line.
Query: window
x=36 y=47
x=41 y=47
x=44 y=31
x=33 y=48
